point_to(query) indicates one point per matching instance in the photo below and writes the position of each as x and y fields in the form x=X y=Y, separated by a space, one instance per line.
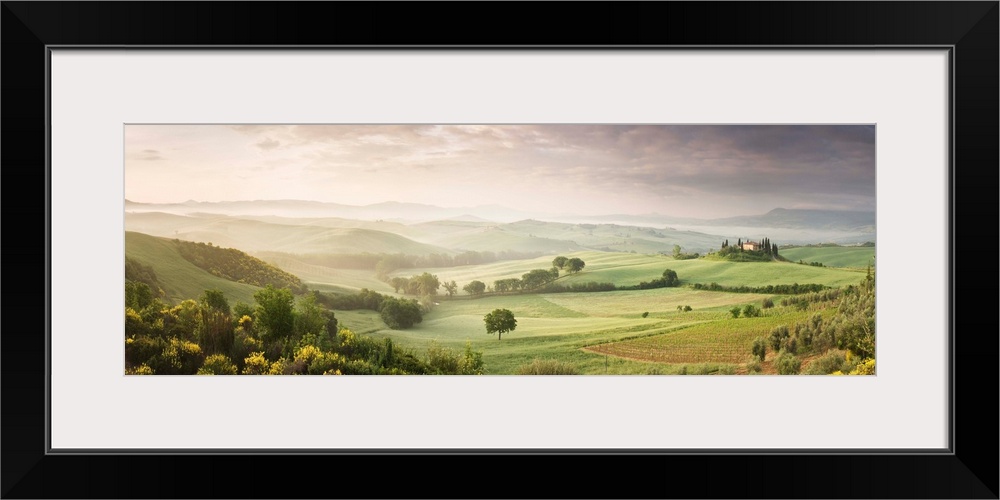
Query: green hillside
x=499 y=238
x=179 y=278
x=557 y=326
x=617 y=238
x=329 y=279
x=832 y=256
x=630 y=269
x=535 y=235
x=254 y=235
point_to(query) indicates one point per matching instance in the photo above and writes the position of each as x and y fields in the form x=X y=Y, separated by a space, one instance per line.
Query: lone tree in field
x=574 y=265
x=500 y=321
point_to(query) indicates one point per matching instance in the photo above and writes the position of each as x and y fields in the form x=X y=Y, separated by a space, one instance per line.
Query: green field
x=559 y=326
x=597 y=332
x=856 y=257
x=328 y=279
x=179 y=278
x=631 y=269
x=725 y=340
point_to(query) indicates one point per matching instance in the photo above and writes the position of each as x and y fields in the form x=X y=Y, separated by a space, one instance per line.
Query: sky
x=703 y=171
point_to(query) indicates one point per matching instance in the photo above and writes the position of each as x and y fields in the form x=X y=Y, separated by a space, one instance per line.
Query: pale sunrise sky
x=703 y=171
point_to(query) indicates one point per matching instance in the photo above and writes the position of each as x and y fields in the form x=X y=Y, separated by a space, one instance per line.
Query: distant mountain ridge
x=842 y=220
x=838 y=220
x=390 y=210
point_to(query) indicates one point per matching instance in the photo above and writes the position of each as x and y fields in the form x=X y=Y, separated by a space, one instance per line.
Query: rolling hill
x=832 y=256
x=178 y=277
x=256 y=235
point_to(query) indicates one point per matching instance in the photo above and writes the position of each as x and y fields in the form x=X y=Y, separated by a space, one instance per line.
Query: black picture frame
x=970 y=29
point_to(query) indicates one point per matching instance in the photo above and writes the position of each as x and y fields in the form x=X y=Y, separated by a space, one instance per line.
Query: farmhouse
x=751 y=245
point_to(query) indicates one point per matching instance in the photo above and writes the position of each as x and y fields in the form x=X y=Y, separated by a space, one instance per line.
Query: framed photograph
x=260 y=202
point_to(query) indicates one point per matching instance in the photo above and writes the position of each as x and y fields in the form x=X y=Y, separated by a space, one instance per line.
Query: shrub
x=243 y=346
x=134 y=324
x=759 y=348
x=278 y=367
x=306 y=354
x=670 y=278
x=142 y=369
x=546 y=367
x=217 y=364
x=787 y=363
x=735 y=312
x=777 y=337
x=441 y=360
x=358 y=367
x=726 y=369
x=749 y=311
x=645 y=314
x=215 y=331
x=830 y=362
x=256 y=364
x=866 y=367
x=295 y=367
x=790 y=344
x=471 y=362
x=687 y=308
x=327 y=363
x=179 y=357
x=824 y=339
x=753 y=366
x=767 y=304
x=141 y=350
x=399 y=314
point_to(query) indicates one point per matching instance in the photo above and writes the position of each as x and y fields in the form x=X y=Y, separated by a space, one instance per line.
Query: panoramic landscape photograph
x=543 y=249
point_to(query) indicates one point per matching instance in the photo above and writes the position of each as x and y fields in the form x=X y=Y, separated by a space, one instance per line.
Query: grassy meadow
x=179 y=278
x=631 y=269
x=855 y=257
x=610 y=332
x=605 y=332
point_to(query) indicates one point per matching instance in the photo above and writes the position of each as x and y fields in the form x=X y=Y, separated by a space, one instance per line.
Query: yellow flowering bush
x=217 y=364
x=306 y=354
x=142 y=369
x=325 y=363
x=865 y=367
x=256 y=364
x=133 y=323
x=278 y=367
x=246 y=323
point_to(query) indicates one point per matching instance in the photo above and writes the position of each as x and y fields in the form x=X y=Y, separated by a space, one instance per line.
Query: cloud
x=268 y=144
x=747 y=168
x=148 y=155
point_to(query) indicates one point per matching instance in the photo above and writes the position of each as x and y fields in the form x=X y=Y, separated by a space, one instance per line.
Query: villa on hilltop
x=751 y=245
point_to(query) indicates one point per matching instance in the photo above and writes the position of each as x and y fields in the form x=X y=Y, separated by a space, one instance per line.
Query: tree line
x=793 y=289
x=398 y=314
x=385 y=263
x=234 y=265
